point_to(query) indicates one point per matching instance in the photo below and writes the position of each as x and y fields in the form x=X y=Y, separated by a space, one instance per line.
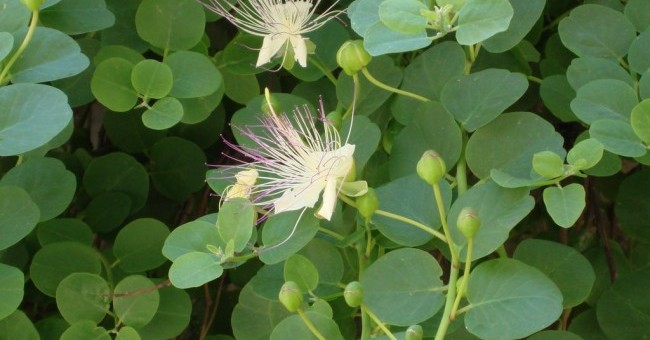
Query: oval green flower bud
x=468 y=222
x=414 y=332
x=290 y=296
x=368 y=204
x=431 y=167
x=352 y=56
x=33 y=5
x=353 y=294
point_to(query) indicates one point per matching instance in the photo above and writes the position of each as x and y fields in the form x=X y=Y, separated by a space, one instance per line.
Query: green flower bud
x=468 y=222
x=368 y=204
x=414 y=332
x=352 y=56
x=33 y=5
x=353 y=294
x=290 y=296
x=336 y=118
x=352 y=174
x=431 y=167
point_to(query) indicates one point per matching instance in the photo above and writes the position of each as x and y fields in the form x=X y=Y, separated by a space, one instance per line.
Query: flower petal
x=302 y=196
x=329 y=200
x=270 y=47
x=299 y=49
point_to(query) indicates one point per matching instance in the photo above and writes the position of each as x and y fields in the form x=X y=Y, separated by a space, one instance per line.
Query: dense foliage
x=415 y=169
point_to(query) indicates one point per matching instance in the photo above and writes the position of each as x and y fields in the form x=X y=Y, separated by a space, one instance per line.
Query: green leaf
x=638 y=12
x=557 y=95
x=78 y=16
x=363 y=14
x=127 y=333
x=194 y=75
x=197 y=110
x=6 y=44
x=499 y=209
x=640 y=120
x=111 y=84
x=403 y=16
x=172 y=316
x=132 y=306
x=117 y=51
x=420 y=195
x=237 y=58
x=190 y=237
x=138 y=245
x=295 y=327
x=585 y=154
x=124 y=31
x=478 y=98
x=587 y=69
x=479 y=20
x=570 y=270
x=32 y=115
x=83 y=296
x=328 y=261
x=525 y=14
x=509 y=142
x=47 y=182
x=364 y=135
x=108 y=211
x=554 y=335
x=251 y=306
x=617 y=137
x=241 y=88
x=403 y=287
x=50 y=55
x=380 y=40
x=548 y=164
x=604 y=99
x=85 y=329
x=586 y=325
x=152 y=78
x=565 y=204
x=632 y=207
x=194 y=269
x=300 y=270
x=163 y=114
x=17 y=326
x=502 y=294
x=127 y=132
x=622 y=312
x=12 y=281
x=118 y=172
x=178 y=167
x=237 y=217
x=14 y=16
x=170 y=24
x=51 y=264
x=596 y=31
x=286 y=233
x=64 y=229
x=18 y=215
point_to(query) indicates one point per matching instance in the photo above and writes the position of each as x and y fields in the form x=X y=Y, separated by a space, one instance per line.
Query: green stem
x=534 y=79
x=331 y=233
x=390 y=88
x=381 y=325
x=322 y=68
x=242 y=258
x=502 y=252
x=443 y=218
x=355 y=81
x=461 y=175
x=310 y=325
x=23 y=46
x=363 y=263
x=463 y=285
x=369 y=243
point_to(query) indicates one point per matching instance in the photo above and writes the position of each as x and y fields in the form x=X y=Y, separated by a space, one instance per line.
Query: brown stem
x=144 y=290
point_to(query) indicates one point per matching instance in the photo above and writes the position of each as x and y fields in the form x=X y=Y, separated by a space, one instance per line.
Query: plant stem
x=355 y=81
x=23 y=46
x=463 y=285
x=363 y=263
x=535 y=79
x=322 y=68
x=390 y=88
x=331 y=233
x=381 y=325
x=310 y=325
x=502 y=252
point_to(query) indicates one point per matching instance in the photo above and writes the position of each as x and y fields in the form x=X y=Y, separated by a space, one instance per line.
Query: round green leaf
x=554 y=335
x=286 y=233
x=194 y=236
x=557 y=95
x=178 y=167
x=138 y=245
x=64 y=229
x=85 y=329
x=300 y=270
x=124 y=31
x=132 y=306
x=548 y=164
x=172 y=316
x=14 y=15
x=403 y=287
x=127 y=132
x=565 y=204
x=117 y=51
x=501 y=293
x=585 y=154
x=479 y=20
x=586 y=325
x=241 y=88
x=639 y=53
x=622 y=311
x=170 y=24
x=152 y=78
x=47 y=182
x=294 y=327
x=587 y=69
x=194 y=269
x=380 y=40
x=570 y=270
x=51 y=328
x=83 y=296
x=118 y=172
x=163 y=114
x=32 y=115
x=194 y=75
x=403 y=15
x=235 y=222
x=196 y=110
x=111 y=84
x=127 y=333
x=476 y=99
x=328 y=38
x=638 y=12
x=18 y=215
x=50 y=55
x=107 y=211
x=618 y=137
x=78 y=16
x=252 y=306
x=640 y=120
x=391 y=198
x=604 y=99
x=17 y=326
x=596 y=31
x=329 y=263
x=525 y=15
x=6 y=44
x=509 y=142
x=51 y=264
x=12 y=281
x=632 y=207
